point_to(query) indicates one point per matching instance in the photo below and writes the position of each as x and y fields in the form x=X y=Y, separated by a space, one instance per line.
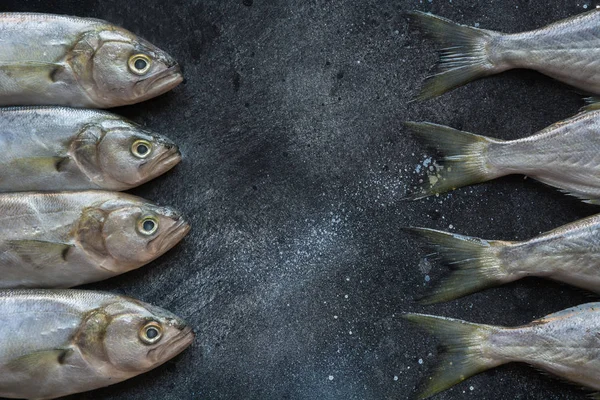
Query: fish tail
x=462 y=356
x=465 y=161
x=464 y=57
x=476 y=261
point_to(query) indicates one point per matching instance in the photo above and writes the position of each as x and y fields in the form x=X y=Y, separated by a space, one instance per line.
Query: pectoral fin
x=591 y=104
x=40 y=363
x=32 y=70
x=41 y=253
x=39 y=165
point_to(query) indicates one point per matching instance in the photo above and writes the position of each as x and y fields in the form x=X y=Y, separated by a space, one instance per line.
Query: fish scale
x=564 y=155
x=567 y=50
x=59 y=148
x=80 y=62
x=69 y=341
x=71 y=238
x=564 y=344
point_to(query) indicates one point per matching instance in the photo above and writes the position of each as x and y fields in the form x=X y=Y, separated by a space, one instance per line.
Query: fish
x=65 y=239
x=48 y=59
x=563 y=155
x=569 y=254
x=567 y=50
x=564 y=344
x=59 y=342
x=60 y=148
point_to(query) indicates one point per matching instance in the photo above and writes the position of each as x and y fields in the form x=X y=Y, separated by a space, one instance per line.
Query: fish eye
x=141 y=148
x=139 y=64
x=147 y=226
x=151 y=333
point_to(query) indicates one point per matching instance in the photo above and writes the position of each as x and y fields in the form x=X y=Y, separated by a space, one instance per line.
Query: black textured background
x=296 y=273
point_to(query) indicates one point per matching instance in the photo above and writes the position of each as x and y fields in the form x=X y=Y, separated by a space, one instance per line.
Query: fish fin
x=41 y=362
x=568 y=312
x=463 y=60
x=41 y=253
x=592 y=103
x=461 y=357
x=476 y=262
x=35 y=69
x=583 y=194
x=39 y=165
x=464 y=162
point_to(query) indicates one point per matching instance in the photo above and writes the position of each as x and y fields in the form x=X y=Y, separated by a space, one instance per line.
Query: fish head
x=117 y=155
x=116 y=67
x=137 y=233
x=133 y=337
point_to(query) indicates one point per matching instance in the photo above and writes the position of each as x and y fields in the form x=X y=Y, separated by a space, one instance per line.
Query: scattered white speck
x=420 y=361
x=427 y=278
x=585 y=6
x=347 y=279
x=424 y=266
x=395 y=377
x=346 y=296
x=330 y=377
x=335 y=317
x=350 y=332
x=471 y=388
x=450 y=226
x=476 y=24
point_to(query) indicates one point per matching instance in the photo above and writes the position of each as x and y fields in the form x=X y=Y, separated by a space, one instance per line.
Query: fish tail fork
x=465 y=161
x=476 y=263
x=463 y=354
x=464 y=57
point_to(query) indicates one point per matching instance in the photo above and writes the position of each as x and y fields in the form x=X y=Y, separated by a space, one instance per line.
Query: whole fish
x=58 y=342
x=564 y=344
x=71 y=238
x=564 y=155
x=59 y=148
x=567 y=50
x=79 y=62
x=569 y=254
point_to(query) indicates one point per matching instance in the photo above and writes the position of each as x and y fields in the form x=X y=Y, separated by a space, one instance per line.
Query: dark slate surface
x=296 y=273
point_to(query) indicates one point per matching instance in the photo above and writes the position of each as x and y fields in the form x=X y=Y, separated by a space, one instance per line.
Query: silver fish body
x=59 y=148
x=81 y=62
x=567 y=50
x=569 y=254
x=564 y=344
x=57 y=342
x=66 y=239
x=564 y=155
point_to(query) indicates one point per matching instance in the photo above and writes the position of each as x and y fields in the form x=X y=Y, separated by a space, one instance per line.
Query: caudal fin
x=462 y=356
x=463 y=59
x=465 y=160
x=476 y=263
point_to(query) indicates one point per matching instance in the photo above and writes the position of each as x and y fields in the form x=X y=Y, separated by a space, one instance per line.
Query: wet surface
x=296 y=273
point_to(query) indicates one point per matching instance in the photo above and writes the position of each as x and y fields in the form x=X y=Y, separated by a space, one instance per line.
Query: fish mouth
x=173 y=347
x=159 y=83
x=175 y=234
x=166 y=161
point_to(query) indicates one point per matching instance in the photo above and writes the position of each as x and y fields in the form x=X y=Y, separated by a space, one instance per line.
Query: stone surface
x=296 y=272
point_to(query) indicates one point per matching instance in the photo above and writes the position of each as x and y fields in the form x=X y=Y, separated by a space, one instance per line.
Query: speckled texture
x=296 y=273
